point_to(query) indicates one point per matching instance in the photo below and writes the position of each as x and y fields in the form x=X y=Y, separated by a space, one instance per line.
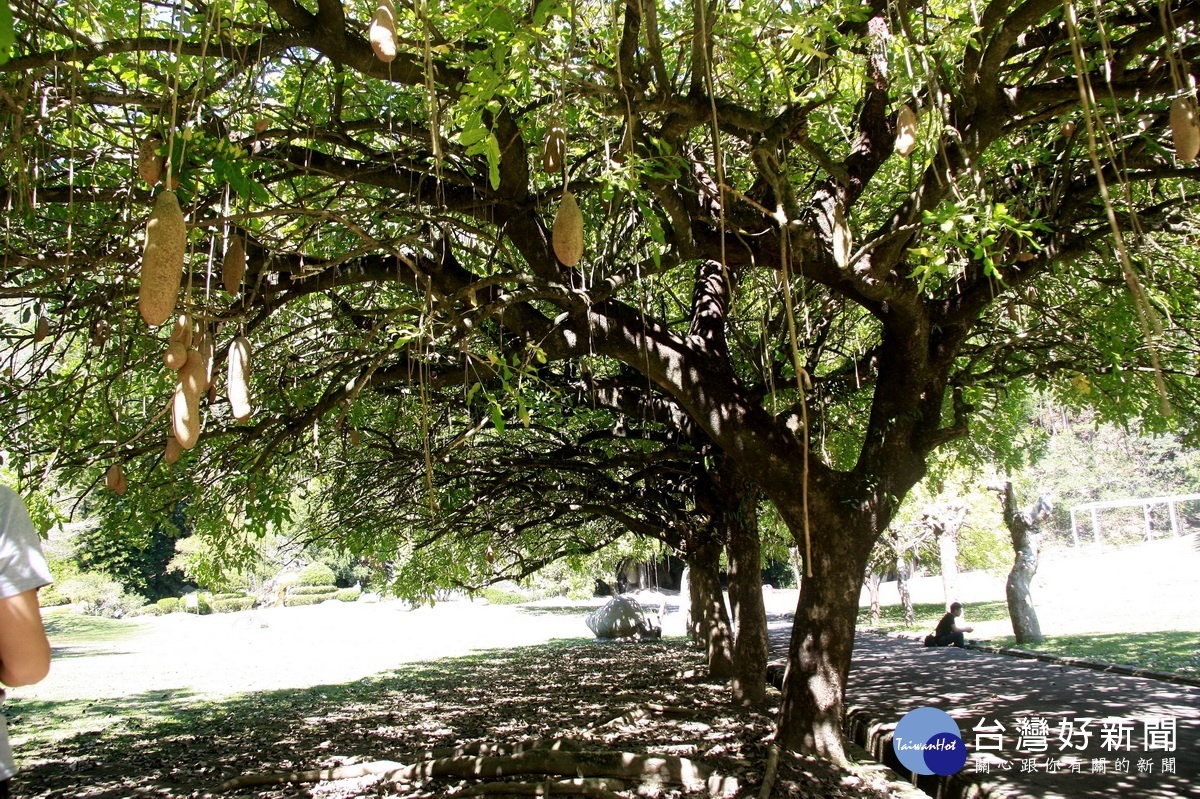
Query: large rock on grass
x=622 y=617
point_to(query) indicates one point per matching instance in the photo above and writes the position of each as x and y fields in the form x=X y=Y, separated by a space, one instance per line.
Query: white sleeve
x=22 y=565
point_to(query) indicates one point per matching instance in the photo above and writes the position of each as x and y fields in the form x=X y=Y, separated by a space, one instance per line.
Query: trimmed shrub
x=170 y=604
x=232 y=604
x=98 y=595
x=50 y=596
x=149 y=610
x=304 y=590
x=497 y=597
x=316 y=574
x=228 y=595
x=203 y=604
x=295 y=601
x=349 y=594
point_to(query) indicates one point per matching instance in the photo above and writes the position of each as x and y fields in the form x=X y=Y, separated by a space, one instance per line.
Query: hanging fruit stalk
x=162 y=260
x=906 y=131
x=1185 y=129
x=238 y=378
x=383 y=31
x=150 y=163
x=567 y=236
x=233 y=266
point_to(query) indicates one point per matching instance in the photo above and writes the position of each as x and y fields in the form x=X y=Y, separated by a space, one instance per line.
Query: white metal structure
x=1146 y=504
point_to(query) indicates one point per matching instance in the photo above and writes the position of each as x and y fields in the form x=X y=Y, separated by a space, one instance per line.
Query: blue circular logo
x=927 y=741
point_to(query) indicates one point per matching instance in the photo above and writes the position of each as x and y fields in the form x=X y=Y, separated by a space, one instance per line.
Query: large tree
x=757 y=256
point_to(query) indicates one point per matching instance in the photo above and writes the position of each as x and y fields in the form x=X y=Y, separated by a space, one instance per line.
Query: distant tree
x=944 y=523
x=1022 y=526
x=138 y=556
x=899 y=551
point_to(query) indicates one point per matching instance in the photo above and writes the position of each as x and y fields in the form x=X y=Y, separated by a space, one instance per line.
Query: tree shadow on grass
x=1166 y=650
x=174 y=744
x=891 y=617
x=67 y=652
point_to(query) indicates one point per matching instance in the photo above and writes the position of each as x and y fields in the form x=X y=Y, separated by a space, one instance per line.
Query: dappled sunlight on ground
x=893 y=676
x=176 y=744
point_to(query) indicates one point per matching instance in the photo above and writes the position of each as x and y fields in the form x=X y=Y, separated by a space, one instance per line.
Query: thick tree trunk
x=1020 y=603
x=745 y=596
x=710 y=619
x=1021 y=528
x=810 y=716
x=685 y=602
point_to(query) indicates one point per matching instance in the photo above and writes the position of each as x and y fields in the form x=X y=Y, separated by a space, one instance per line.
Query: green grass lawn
x=68 y=629
x=891 y=617
x=1169 y=650
x=1174 y=651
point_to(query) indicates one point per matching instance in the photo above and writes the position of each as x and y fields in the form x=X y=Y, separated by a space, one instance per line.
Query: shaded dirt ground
x=121 y=733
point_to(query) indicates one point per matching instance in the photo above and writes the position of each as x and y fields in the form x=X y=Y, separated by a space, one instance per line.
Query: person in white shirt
x=24 y=648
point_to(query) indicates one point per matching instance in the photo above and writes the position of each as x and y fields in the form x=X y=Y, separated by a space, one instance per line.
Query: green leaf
x=7 y=39
x=545 y=10
x=497 y=417
x=492 y=151
x=472 y=136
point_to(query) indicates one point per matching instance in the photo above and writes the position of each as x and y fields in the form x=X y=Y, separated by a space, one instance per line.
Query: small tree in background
x=1022 y=526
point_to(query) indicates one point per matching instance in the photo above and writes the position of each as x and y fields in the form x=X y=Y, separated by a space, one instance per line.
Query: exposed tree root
x=641 y=712
x=771 y=774
x=595 y=788
x=312 y=775
x=489 y=761
x=623 y=765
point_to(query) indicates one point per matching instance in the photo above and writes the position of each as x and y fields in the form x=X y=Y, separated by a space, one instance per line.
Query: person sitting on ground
x=949 y=630
x=24 y=650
